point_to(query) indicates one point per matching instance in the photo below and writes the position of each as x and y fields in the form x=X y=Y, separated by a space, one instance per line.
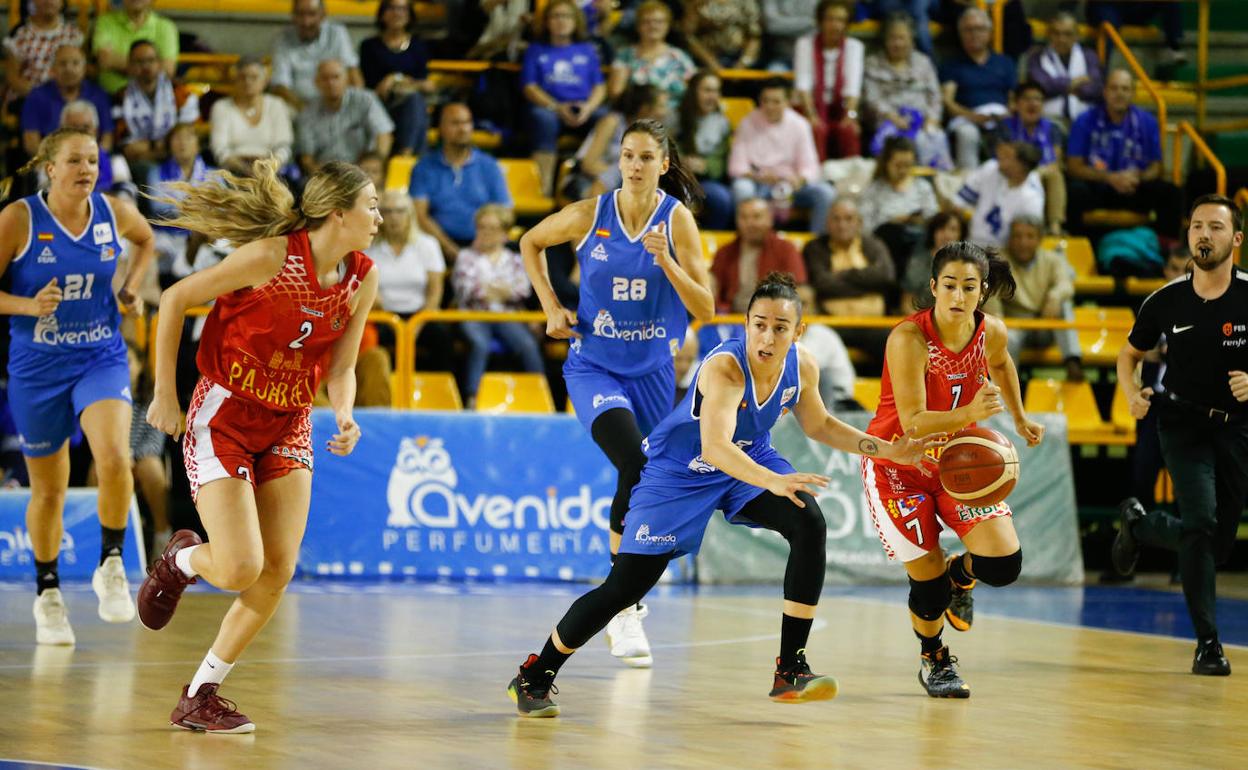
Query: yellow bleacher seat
x=435 y=390
x=1084 y=424
x=736 y=108
x=1115 y=218
x=1081 y=257
x=867 y=392
x=1120 y=416
x=503 y=392
x=1101 y=346
x=525 y=184
x=712 y=240
x=399 y=172
x=797 y=238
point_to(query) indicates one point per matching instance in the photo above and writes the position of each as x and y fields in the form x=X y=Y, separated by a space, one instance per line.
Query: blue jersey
x=676 y=444
x=630 y=317
x=88 y=318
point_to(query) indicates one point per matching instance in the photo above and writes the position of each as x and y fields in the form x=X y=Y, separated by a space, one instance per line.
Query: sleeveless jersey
x=630 y=317
x=676 y=444
x=83 y=265
x=267 y=344
x=951 y=379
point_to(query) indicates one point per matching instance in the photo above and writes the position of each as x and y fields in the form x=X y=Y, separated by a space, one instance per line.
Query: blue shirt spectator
x=567 y=72
x=1134 y=143
x=980 y=84
x=41 y=113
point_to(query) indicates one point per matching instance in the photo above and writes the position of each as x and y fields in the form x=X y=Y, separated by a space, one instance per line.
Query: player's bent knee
x=809 y=524
x=237 y=574
x=930 y=598
x=997 y=570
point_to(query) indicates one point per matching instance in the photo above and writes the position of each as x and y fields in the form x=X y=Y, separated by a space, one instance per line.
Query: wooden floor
x=415 y=677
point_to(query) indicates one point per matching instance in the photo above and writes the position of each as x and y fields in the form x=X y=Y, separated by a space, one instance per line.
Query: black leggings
x=616 y=433
x=633 y=575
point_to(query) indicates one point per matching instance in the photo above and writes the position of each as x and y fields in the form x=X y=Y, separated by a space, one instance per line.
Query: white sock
x=183 y=559
x=211 y=671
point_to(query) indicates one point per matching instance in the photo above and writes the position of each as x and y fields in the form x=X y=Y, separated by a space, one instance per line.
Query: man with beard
x=1202 y=417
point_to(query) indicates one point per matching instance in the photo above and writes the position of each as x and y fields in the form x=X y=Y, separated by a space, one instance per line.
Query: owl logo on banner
x=421 y=462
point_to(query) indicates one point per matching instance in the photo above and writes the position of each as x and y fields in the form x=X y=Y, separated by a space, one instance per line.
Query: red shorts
x=228 y=436
x=909 y=509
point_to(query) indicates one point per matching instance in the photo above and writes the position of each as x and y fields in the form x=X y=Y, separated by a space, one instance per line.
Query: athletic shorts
x=46 y=400
x=669 y=509
x=910 y=509
x=594 y=390
x=228 y=436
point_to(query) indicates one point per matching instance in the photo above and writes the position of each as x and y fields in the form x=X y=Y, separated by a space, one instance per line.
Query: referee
x=1202 y=416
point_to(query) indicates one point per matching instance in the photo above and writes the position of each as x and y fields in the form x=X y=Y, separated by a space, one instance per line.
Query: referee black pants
x=1208 y=461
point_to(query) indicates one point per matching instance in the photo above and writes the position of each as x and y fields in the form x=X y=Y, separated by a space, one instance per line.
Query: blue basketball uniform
x=630 y=318
x=679 y=491
x=61 y=363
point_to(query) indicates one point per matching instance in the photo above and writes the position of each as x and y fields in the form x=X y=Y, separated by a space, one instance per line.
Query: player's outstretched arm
x=1004 y=374
x=568 y=225
x=340 y=379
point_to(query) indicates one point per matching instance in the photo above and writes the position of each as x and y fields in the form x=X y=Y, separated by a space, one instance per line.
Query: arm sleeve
x=219 y=139
x=595 y=67
x=1061 y=287
x=1148 y=328
x=970 y=190
x=738 y=155
x=1151 y=139
x=342 y=44
x=431 y=252
x=283 y=73
x=283 y=130
x=167 y=40
x=378 y=119
x=807 y=155
x=370 y=62
x=528 y=68
x=1080 y=136
x=418 y=187
x=854 y=52
x=1091 y=90
x=935 y=99
x=804 y=64
x=303 y=138
x=499 y=192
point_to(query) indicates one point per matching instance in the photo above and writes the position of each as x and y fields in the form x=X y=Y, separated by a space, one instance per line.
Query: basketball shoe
x=113 y=591
x=1209 y=659
x=942 y=680
x=531 y=691
x=627 y=639
x=1125 y=551
x=160 y=592
x=796 y=683
x=210 y=713
x=961 y=609
x=52 y=619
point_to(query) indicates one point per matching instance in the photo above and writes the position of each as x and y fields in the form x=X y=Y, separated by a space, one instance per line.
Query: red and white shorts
x=909 y=509
x=228 y=436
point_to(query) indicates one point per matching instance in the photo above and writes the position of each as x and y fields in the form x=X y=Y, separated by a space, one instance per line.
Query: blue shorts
x=46 y=404
x=670 y=508
x=594 y=390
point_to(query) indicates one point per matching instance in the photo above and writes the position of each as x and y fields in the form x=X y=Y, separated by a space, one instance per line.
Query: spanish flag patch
x=45 y=236
x=602 y=233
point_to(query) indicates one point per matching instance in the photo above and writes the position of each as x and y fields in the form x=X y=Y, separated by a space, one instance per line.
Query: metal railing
x=1202 y=148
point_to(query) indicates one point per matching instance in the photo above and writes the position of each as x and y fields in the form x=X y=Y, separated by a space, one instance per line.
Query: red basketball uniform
x=908 y=508
x=261 y=356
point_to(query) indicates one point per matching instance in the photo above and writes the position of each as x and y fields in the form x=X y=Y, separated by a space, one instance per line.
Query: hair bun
x=778 y=278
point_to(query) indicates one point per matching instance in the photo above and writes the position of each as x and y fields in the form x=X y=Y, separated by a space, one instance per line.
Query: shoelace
x=536 y=691
x=56 y=613
x=632 y=624
x=115 y=580
x=217 y=707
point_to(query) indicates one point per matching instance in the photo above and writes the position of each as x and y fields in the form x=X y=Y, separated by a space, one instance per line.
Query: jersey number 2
x=305 y=331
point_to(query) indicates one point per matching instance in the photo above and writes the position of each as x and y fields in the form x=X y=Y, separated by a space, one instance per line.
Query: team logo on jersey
x=599 y=253
x=336 y=324
x=46 y=236
x=102 y=233
x=788 y=395
x=602 y=233
x=1229 y=329
x=644 y=536
x=600 y=399
x=956 y=376
x=604 y=326
x=905 y=507
x=48 y=332
x=46 y=257
x=107 y=253
x=311 y=312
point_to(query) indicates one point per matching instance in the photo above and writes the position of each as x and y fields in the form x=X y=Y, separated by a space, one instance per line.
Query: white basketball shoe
x=113 y=590
x=52 y=619
x=627 y=639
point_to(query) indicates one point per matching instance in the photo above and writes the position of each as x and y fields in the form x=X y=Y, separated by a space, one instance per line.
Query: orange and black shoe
x=796 y=683
x=530 y=690
x=961 y=610
x=939 y=676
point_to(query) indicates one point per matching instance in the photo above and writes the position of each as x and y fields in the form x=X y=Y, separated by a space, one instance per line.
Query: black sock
x=930 y=643
x=111 y=542
x=793 y=635
x=959 y=574
x=45 y=576
x=550 y=661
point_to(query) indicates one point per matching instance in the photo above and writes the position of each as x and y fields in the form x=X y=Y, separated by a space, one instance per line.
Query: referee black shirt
x=1205 y=339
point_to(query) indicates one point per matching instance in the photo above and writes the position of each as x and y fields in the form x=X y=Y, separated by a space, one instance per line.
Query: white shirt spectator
x=804 y=67
x=295 y=62
x=997 y=204
x=233 y=135
x=405 y=276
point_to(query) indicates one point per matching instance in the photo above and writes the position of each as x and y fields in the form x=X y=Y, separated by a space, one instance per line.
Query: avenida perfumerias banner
x=80 y=542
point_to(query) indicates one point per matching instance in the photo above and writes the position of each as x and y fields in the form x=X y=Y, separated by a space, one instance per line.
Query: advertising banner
x=80 y=544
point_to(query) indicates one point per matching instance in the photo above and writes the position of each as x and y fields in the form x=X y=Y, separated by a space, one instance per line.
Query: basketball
x=978 y=467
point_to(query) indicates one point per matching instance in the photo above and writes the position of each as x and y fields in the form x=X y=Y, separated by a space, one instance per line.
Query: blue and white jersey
x=630 y=317
x=83 y=265
x=676 y=444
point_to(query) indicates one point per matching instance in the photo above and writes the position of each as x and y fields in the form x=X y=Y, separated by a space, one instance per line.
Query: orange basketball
x=978 y=467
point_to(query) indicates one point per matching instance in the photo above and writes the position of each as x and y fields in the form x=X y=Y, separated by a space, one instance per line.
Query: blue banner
x=430 y=494
x=80 y=543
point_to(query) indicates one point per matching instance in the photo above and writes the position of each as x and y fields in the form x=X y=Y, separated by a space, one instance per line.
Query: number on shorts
x=957 y=395
x=623 y=290
x=913 y=523
x=244 y=473
x=305 y=331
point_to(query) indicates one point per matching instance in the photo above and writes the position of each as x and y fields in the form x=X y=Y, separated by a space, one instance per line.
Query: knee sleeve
x=616 y=433
x=630 y=578
x=997 y=570
x=930 y=598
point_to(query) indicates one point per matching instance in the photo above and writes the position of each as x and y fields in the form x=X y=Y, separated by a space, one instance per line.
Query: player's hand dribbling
x=46 y=299
x=911 y=449
x=1030 y=430
x=165 y=415
x=561 y=324
x=1139 y=403
x=986 y=403
x=1239 y=385
x=790 y=484
x=346 y=438
x=655 y=242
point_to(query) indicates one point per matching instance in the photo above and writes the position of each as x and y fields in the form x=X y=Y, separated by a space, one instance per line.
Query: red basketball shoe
x=163 y=587
x=796 y=683
x=210 y=713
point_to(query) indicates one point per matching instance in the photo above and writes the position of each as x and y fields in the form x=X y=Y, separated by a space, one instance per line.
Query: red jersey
x=268 y=344
x=951 y=379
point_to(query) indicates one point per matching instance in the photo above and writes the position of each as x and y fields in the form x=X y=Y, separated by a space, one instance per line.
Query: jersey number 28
x=623 y=289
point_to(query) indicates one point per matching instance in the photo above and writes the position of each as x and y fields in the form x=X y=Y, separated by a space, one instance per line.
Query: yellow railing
x=1107 y=31
x=1202 y=148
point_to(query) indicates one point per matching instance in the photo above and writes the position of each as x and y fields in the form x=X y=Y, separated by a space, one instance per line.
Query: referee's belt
x=1216 y=415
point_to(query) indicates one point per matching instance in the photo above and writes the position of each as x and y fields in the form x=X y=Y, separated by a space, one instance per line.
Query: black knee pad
x=809 y=525
x=930 y=598
x=997 y=570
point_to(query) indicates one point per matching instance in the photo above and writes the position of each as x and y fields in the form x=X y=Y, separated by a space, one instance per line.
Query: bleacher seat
x=1120 y=416
x=435 y=390
x=525 y=184
x=399 y=172
x=736 y=108
x=712 y=240
x=867 y=392
x=1101 y=346
x=1084 y=424
x=1082 y=259
x=503 y=392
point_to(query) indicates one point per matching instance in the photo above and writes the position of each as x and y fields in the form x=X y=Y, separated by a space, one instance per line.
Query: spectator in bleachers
x=773 y=156
x=184 y=164
x=451 y=183
x=1016 y=29
x=249 y=124
x=976 y=84
x=84 y=116
x=756 y=251
x=300 y=49
x=902 y=94
x=784 y=22
x=652 y=60
x=896 y=205
x=395 y=64
x=704 y=136
x=117 y=31
x=31 y=47
x=41 y=112
x=918 y=12
x=723 y=33
x=149 y=107
x=343 y=123
x=1119 y=13
x=916 y=289
x=1026 y=123
x=1068 y=72
x=1045 y=289
x=504 y=30
x=827 y=78
x=836 y=368
x=1002 y=190
x=598 y=159
x=562 y=79
x=490 y=276
x=1114 y=161
x=375 y=166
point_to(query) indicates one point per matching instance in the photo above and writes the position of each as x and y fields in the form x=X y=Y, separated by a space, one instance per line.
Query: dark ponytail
x=776 y=285
x=678 y=182
x=994 y=270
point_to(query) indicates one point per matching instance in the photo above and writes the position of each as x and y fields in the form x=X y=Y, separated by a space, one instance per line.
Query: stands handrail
x=1107 y=30
x=1202 y=147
